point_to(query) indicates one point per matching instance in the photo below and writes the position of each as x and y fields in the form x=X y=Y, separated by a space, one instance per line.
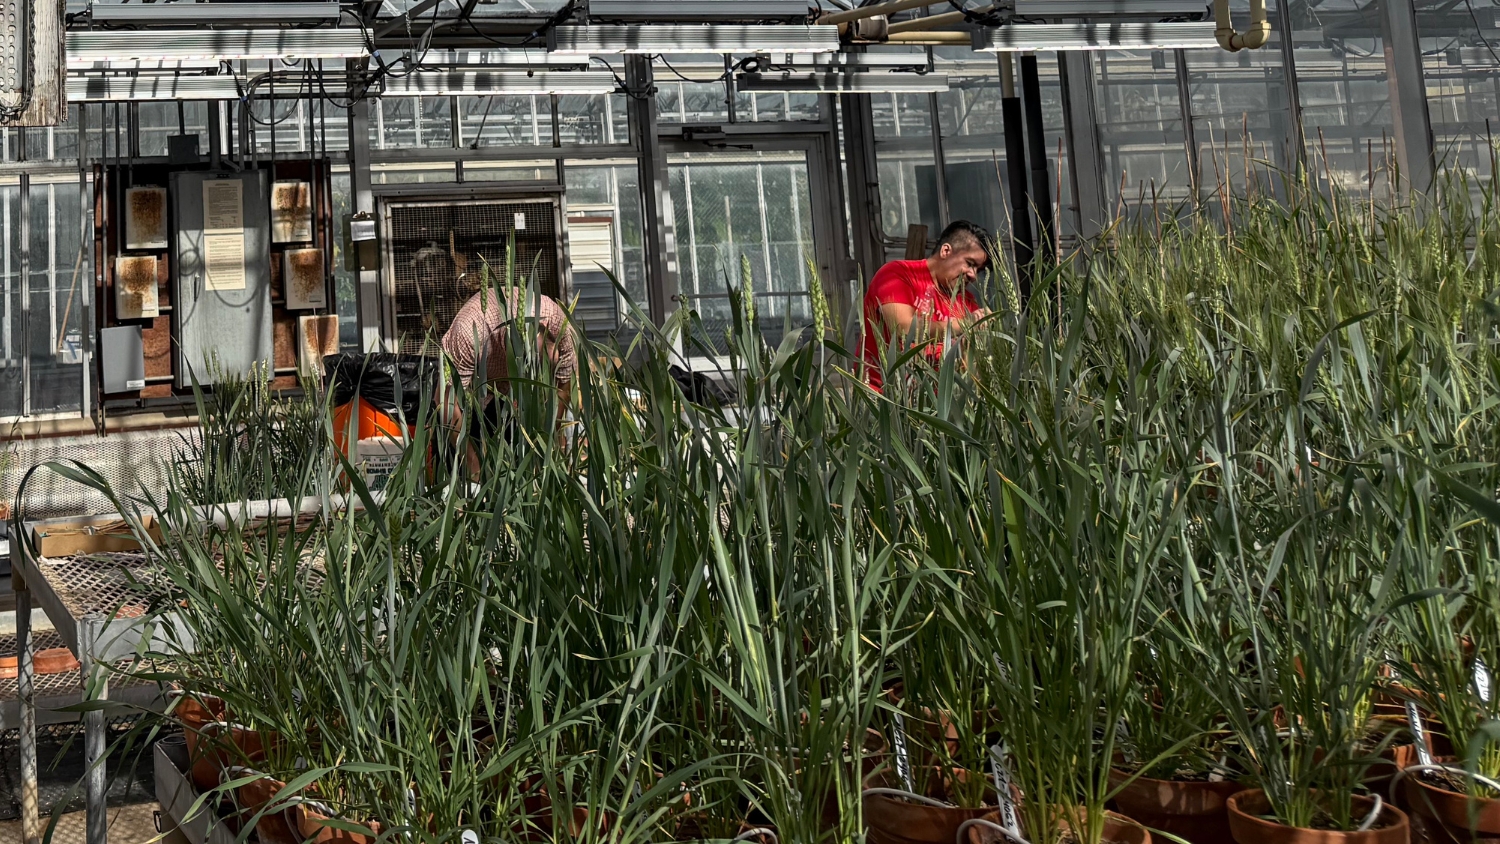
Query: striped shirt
x=476 y=339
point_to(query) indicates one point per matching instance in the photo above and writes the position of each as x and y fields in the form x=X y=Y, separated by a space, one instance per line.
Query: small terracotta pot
x=1445 y=815
x=891 y=820
x=1248 y=827
x=1192 y=810
x=49 y=661
x=1118 y=829
x=313 y=827
x=273 y=827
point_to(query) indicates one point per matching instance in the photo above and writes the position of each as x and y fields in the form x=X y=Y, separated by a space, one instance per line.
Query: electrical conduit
x=1255 y=35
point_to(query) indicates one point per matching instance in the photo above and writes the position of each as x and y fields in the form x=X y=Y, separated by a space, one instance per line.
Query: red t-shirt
x=908 y=283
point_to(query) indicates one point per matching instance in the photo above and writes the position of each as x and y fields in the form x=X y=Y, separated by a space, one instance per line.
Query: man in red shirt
x=925 y=301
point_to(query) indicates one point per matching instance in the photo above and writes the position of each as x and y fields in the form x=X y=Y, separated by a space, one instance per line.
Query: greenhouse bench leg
x=96 y=820
x=26 y=691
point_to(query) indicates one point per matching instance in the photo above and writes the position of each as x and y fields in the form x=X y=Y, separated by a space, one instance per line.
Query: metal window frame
x=387 y=197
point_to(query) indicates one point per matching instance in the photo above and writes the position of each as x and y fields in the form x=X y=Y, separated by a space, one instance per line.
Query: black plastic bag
x=392 y=384
x=701 y=389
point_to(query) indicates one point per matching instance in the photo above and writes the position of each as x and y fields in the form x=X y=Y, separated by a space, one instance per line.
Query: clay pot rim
x=1232 y=804
x=1449 y=797
x=1134 y=778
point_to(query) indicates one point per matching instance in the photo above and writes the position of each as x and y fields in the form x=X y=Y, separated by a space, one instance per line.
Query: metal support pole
x=96 y=687
x=864 y=183
x=25 y=195
x=1036 y=144
x=85 y=243
x=31 y=831
x=939 y=163
x=1410 y=116
x=1015 y=173
x=1296 y=139
x=368 y=291
x=1085 y=160
x=657 y=219
x=1189 y=132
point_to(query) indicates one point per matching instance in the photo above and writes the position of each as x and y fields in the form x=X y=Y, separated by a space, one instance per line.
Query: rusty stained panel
x=302 y=279
x=291 y=212
x=156 y=344
x=136 y=287
x=284 y=339
x=146 y=217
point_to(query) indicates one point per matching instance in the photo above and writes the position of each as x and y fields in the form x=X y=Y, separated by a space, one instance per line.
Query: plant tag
x=1418 y=733
x=903 y=761
x=1481 y=680
x=1413 y=720
x=1001 y=772
x=469 y=837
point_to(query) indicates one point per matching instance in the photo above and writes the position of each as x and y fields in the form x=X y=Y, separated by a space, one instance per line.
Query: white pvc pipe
x=1255 y=35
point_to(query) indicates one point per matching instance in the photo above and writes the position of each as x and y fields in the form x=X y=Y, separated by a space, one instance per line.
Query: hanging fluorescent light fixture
x=434 y=84
x=124 y=88
x=687 y=38
x=1121 y=35
x=676 y=11
x=841 y=83
x=86 y=48
x=289 y=11
x=1157 y=9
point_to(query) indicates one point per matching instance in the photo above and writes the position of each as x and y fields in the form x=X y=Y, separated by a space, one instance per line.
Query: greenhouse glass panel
x=59 y=267
x=12 y=389
x=1140 y=128
x=1241 y=116
x=1461 y=66
x=1346 y=103
x=739 y=214
x=508 y=120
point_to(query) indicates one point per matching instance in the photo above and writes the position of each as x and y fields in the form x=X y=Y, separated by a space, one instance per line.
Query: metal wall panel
x=228 y=331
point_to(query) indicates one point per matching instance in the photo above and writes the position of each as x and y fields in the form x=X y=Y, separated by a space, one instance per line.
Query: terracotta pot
x=1192 y=810
x=273 y=827
x=1118 y=829
x=313 y=827
x=1248 y=828
x=196 y=713
x=891 y=820
x=49 y=661
x=1444 y=815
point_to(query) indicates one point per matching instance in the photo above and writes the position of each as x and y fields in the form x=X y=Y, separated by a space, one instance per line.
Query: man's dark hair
x=962 y=234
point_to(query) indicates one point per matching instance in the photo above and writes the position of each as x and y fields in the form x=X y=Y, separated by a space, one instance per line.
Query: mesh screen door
x=439 y=253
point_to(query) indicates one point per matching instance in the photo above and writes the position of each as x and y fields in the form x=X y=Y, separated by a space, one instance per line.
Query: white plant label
x=469 y=837
x=1481 y=680
x=903 y=761
x=1001 y=772
x=1418 y=733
